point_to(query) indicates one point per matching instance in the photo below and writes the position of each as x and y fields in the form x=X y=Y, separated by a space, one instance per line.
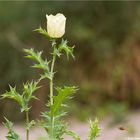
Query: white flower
x=56 y=25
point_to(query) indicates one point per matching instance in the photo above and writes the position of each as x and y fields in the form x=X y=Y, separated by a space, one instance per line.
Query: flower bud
x=56 y=25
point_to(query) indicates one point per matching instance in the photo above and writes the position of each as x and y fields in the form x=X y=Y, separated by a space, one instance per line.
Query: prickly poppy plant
x=52 y=118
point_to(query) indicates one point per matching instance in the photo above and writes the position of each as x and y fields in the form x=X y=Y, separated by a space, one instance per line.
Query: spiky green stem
x=51 y=89
x=51 y=81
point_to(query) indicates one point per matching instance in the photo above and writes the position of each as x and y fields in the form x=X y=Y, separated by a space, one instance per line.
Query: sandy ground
x=131 y=132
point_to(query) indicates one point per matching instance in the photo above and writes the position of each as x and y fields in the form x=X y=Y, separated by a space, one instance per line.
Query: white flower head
x=56 y=25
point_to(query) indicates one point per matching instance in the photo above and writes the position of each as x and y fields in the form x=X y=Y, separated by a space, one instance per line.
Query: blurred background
x=107 y=64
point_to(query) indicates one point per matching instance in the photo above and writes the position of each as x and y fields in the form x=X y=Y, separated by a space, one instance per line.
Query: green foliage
x=59 y=126
x=36 y=56
x=62 y=96
x=14 y=95
x=72 y=134
x=94 y=130
x=29 y=89
x=56 y=111
x=11 y=134
x=52 y=122
x=30 y=124
x=40 y=63
x=42 y=31
x=24 y=98
x=64 y=47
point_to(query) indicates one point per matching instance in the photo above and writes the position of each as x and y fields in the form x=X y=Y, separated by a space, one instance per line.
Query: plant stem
x=27 y=122
x=51 y=81
x=51 y=92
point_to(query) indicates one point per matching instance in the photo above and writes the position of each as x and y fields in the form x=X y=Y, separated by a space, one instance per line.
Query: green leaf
x=13 y=94
x=8 y=124
x=24 y=98
x=36 y=56
x=64 y=47
x=29 y=89
x=46 y=75
x=94 y=129
x=11 y=134
x=39 y=62
x=46 y=115
x=62 y=96
x=72 y=134
x=30 y=124
x=60 y=115
x=42 y=31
